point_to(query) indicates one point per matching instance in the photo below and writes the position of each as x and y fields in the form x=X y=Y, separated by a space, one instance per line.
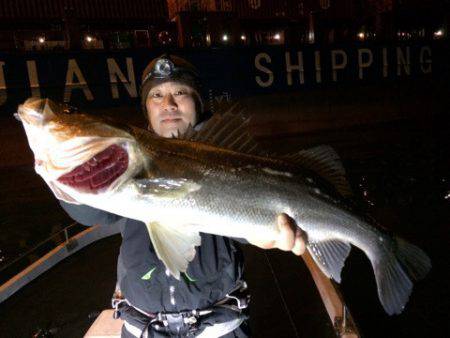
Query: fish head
x=78 y=154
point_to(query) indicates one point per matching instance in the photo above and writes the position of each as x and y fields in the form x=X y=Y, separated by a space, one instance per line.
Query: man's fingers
x=286 y=236
x=291 y=236
x=299 y=244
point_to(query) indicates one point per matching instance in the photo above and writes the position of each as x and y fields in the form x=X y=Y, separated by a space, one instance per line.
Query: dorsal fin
x=324 y=161
x=228 y=130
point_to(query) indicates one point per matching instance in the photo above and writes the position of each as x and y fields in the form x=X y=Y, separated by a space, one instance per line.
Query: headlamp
x=163 y=68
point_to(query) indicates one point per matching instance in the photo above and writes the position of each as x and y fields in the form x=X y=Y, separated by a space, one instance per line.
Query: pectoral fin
x=175 y=247
x=166 y=187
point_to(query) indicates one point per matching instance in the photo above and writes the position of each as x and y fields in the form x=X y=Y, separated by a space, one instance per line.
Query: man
x=209 y=300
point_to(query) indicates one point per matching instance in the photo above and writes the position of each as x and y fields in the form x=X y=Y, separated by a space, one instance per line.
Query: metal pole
x=66 y=235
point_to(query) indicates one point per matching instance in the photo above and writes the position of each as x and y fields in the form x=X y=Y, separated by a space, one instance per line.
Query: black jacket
x=215 y=270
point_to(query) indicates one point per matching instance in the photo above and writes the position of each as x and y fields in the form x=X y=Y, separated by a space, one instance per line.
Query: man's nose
x=169 y=103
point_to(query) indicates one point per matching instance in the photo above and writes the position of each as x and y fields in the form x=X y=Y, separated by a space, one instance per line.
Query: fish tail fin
x=395 y=273
x=174 y=246
x=416 y=262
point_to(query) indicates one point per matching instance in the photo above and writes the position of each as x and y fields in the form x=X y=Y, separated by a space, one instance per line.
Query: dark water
x=412 y=202
x=399 y=171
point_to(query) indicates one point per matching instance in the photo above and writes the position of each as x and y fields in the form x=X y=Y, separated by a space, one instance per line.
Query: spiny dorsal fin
x=228 y=130
x=326 y=162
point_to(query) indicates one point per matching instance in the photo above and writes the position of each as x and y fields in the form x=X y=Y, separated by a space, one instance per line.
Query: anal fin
x=174 y=246
x=330 y=256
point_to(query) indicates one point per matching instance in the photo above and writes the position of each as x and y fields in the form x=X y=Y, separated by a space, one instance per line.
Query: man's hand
x=290 y=237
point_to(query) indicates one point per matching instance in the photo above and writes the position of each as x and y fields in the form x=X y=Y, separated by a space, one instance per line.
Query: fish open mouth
x=99 y=172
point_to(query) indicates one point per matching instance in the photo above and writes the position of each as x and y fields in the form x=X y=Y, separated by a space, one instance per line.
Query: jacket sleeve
x=89 y=216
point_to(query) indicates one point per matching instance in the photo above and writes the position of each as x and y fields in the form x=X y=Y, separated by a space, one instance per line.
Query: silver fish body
x=213 y=183
x=245 y=201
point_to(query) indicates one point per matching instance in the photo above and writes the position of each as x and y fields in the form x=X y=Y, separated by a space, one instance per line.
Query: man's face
x=171 y=108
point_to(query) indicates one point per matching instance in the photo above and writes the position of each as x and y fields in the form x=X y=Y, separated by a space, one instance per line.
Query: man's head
x=170 y=95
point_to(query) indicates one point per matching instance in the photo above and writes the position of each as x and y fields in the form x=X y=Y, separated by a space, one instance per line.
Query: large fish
x=213 y=181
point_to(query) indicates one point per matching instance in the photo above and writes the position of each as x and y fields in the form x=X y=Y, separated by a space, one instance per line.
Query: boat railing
x=47 y=253
x=54 y=238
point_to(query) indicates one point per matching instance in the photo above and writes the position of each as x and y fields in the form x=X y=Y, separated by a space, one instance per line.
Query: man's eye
x=156 y=95
x=180 y=92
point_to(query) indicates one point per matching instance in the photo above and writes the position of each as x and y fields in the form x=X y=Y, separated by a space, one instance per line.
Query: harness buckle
x=176 y=322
